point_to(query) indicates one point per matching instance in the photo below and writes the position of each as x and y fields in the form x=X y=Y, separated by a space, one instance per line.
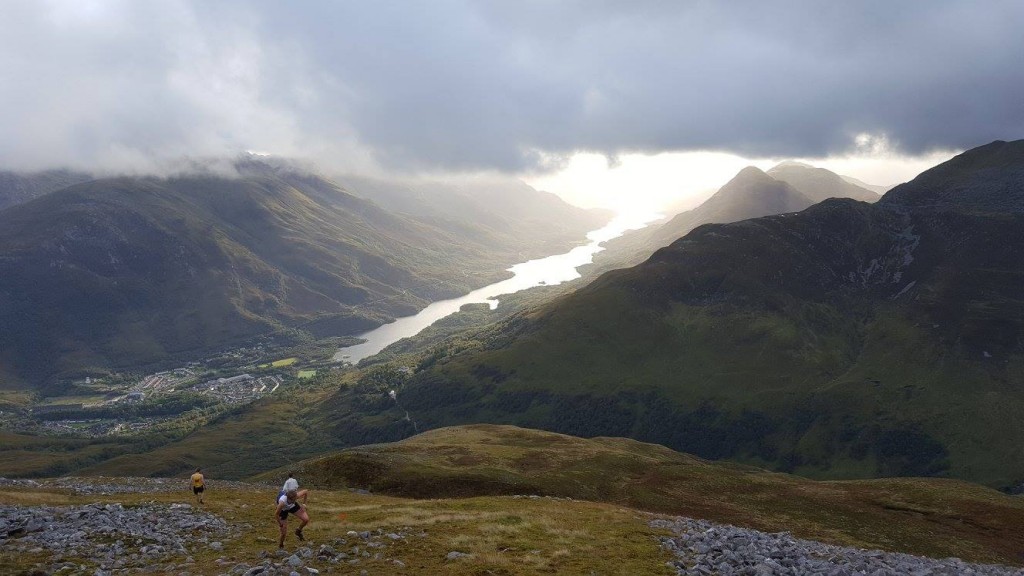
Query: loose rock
x=110 y=535
x=703 y=547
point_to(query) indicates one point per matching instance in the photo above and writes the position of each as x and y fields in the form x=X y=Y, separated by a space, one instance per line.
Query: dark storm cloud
x=453 y=85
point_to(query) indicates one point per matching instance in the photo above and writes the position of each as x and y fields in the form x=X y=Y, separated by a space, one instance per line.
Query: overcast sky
x=515 y=86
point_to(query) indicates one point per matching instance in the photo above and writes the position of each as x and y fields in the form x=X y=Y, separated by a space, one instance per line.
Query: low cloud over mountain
x=458 y=85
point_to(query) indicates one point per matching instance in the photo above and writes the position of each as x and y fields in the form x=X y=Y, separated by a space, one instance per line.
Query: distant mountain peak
x=819 y=183
x=752 y=193
x=750 y=171
x=790 y=163
x=749 y=175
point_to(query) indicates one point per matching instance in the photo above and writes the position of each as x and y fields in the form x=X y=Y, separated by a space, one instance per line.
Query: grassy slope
x=504 y=536
x=934 y=517
x=25 y=455
x=266 y=434
x=923 y=516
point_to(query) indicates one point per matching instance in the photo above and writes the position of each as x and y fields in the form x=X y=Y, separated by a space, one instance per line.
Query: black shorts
x=283 y=515
x=198 y=489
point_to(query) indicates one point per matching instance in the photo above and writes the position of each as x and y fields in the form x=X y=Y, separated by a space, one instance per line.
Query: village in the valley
x=232 y=390
x=126 y=404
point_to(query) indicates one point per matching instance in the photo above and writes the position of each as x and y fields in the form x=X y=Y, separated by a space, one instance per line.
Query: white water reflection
x=543 y=271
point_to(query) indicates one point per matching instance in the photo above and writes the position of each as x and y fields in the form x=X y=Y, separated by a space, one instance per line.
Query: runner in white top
x=289 y=504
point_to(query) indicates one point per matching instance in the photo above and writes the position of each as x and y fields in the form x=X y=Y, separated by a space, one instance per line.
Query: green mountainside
x=752 y=193
x=132 y=271
x=18 y=188
x=849 y=340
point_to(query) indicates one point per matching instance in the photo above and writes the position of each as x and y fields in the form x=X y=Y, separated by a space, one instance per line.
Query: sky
x=650 y=95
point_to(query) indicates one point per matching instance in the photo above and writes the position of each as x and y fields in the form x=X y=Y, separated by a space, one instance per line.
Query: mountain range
x=752 y=193
x=847 y=340
x=133 y=271
x=819 y=184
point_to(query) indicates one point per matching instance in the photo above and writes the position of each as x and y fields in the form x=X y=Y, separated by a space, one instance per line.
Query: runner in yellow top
x=198 y=484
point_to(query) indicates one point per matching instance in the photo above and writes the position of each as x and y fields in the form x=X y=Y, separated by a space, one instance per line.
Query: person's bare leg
x=304 y=517
x=283 y=524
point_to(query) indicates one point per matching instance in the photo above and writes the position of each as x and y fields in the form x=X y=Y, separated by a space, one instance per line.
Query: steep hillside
x=130 y=271
x=848 y=340
x=820 y=184
x=18 y=188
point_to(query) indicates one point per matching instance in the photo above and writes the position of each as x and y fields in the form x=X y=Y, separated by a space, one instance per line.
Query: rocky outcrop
x=105 y=537
x=103 y=486
x=703 y=548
